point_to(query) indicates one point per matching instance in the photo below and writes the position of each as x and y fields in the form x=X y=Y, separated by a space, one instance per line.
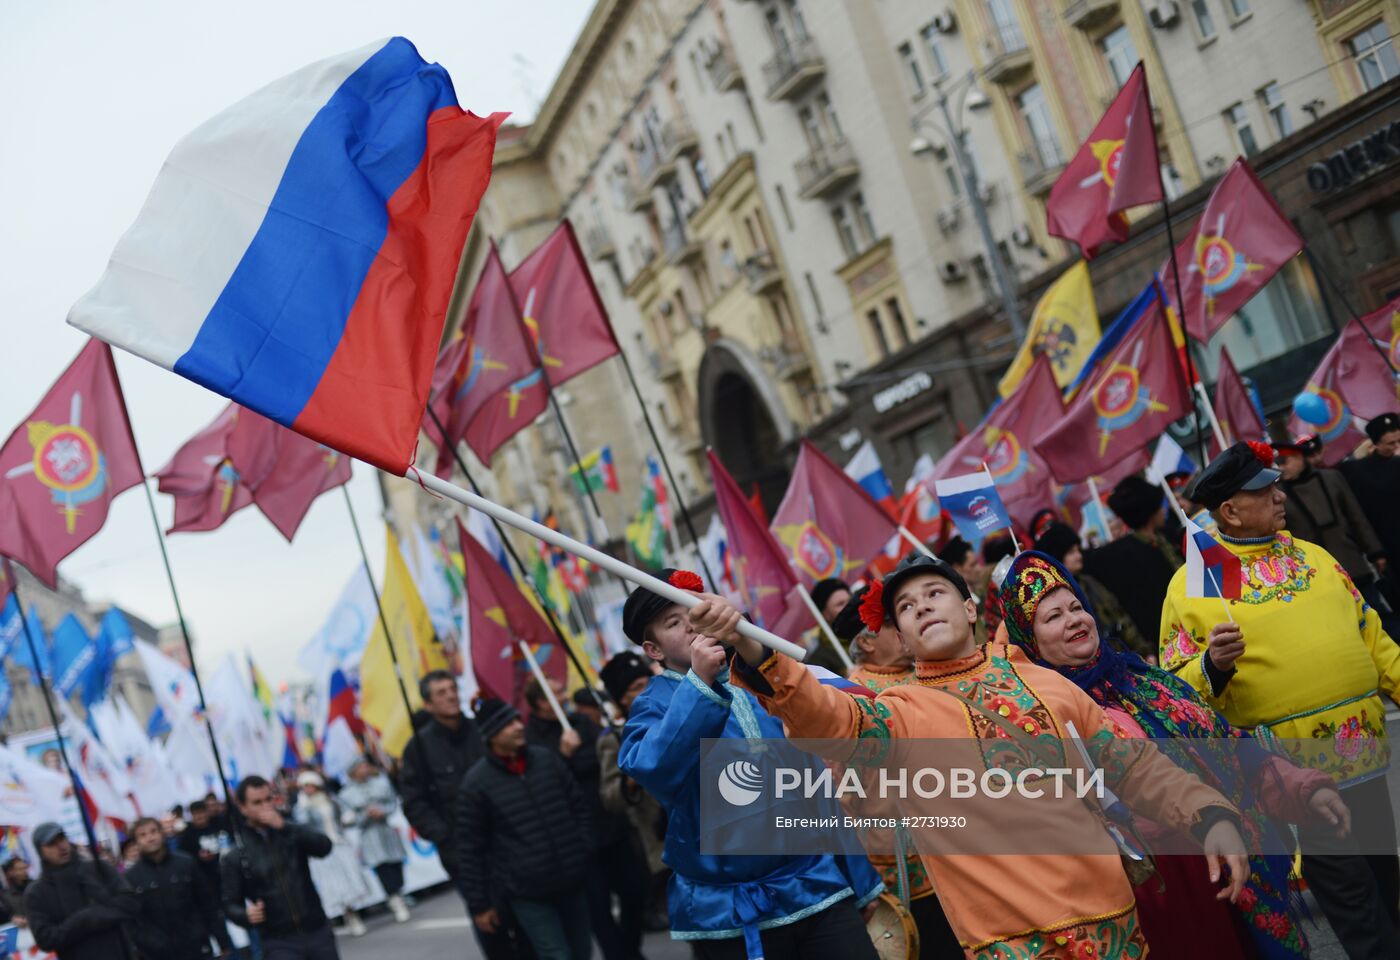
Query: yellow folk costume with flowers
x=1316 y=660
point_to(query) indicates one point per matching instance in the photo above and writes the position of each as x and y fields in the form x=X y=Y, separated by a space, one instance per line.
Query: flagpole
x=545 y=687
x=1336 y=288
x=578 y=461
x=1190 y=373
x=1010 y=527
x=189 y=653
x=826 y=628
x=1098 y=504
x=379 y=606
x=666 y=465
x=44 y=691
x=919 y=545
x=613 y=565
x=1186 y=525
x=538 y=589
x=1210 y=412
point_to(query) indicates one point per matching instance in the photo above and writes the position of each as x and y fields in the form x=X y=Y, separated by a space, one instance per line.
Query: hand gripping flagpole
x=825 y=628
x=597 y=557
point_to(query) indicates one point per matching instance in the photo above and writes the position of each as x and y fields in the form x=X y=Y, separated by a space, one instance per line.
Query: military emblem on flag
x=1007 y=461
x=1121 y=399
x=67 y=461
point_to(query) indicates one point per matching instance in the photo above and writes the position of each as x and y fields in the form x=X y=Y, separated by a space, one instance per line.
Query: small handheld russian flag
x=1211 y=569
x=831 y=679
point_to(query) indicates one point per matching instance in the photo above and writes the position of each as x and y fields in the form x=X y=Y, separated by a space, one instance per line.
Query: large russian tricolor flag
x=297 y=251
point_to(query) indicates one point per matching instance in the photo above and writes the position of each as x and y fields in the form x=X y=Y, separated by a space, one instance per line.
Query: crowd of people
x=562 y=829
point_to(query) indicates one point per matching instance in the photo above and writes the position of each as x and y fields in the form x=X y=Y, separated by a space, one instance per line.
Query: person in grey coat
x=368 y=800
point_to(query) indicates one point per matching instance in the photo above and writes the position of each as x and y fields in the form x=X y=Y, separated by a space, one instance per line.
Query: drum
x=892 y=930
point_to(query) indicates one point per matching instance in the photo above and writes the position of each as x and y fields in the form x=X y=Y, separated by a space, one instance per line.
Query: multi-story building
x=773 y=213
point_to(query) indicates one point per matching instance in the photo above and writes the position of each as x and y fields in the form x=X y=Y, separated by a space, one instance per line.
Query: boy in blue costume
x=729 y=906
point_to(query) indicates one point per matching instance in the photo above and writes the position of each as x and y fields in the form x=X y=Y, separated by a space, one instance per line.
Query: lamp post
x=954 y=134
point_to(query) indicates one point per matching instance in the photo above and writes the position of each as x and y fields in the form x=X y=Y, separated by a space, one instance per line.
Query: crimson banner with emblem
x=1236 y=247
x=1114 y=170
x=1004 y=440
x=207 y=488
x=1384 y=327
x=1356 y=383
x=827 y=523
x=487 y=384
x=65 y=462
x=767 y=582
x=1133 y=396
x=1239 y=418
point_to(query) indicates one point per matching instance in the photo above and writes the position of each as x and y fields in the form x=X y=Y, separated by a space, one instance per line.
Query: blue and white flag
x=1169 y=458
x=974 y=504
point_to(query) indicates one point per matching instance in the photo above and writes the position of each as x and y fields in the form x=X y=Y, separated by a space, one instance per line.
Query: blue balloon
x=1311 y=408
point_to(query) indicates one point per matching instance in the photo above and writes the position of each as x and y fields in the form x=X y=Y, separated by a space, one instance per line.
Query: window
x=778 y=30
x=753 y=116
x=810 y=128
x=934 y=46
x=1008 y=31
x=863 y=220
x=833 y=125
x=1035 y=112
x=1286 y=314
x=872 y=318
x=1272 y=99
x=912 y=72
x=722 y=149
x=1205 y=24
x=1120 y=53
x=1171 y=181
x=1238 y=119
x=816 y=298
x=702 y=175
x=1374 y=54
x=799 y=25
x=695 y=66
x=845 y=231
x=897 y=316
x=1239 y=9
x=783 y=205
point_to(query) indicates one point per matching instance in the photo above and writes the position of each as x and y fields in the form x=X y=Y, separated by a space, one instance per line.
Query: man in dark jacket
x=1137 y=568
x=16 y=871
x=77 y=909
x=1375 y=479
x=523 y=831
x=179 y=912
x=267 y=879
x=619 y=866
x=203 y=840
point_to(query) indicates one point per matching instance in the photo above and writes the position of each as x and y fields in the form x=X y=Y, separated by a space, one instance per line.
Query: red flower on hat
x=687 y=581
x=872 y=606
x=1262 y=452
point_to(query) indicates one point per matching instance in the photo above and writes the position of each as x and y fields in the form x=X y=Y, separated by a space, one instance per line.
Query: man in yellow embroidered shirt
x=1302 y=658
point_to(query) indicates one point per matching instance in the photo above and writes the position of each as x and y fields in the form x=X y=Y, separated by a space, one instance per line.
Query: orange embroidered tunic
x=1010 y=905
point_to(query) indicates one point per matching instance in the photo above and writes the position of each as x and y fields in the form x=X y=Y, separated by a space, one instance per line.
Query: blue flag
x=974 y=504
x=16 y=644
x=74 y=656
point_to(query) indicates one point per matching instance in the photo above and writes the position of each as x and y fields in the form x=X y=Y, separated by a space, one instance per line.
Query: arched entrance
x=742 y=418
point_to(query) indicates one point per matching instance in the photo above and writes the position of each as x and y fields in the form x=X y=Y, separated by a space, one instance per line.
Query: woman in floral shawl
x=1048 y=616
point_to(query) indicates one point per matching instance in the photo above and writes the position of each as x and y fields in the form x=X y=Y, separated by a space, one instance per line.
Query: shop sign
x=1356 y=160
x=906 y=389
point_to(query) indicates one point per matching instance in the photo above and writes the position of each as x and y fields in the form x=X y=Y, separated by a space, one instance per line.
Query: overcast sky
x=95 y=94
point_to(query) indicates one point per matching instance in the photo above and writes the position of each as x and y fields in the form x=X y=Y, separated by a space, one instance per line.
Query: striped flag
x=1211 y=570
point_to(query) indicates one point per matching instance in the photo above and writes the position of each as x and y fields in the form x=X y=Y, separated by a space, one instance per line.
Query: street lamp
x=953 y=133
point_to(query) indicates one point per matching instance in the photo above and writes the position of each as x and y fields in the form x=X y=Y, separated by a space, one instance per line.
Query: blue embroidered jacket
x=717 y=897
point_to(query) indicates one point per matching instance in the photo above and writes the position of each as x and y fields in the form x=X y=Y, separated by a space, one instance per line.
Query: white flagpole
x=825 y=627
x=1185 y=525
x=611 y=564
x=1010 y=528
x=544 y=684
x=1210 y=414
x=918 y=544
x=1098 y=504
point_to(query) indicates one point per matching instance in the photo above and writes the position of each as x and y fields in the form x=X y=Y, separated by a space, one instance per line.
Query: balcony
x=724 y=71
x=761 y=273
x=680 y=247
x=638 y=200
x=825 y=169
x=678 y=137
x=599 y=245
x=663 y=365
x=787 y=362
x=793 y=70
x=1088 y=14
x=1039 y=170
x=653 y=168
x=1006 y=58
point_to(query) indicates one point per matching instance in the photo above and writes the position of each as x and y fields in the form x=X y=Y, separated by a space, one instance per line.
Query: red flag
x=64 y=463
x=755 y=502
x=1128 y=404
x=766 y=581
x=561 y=307
x=301 y=471
x=1114 y=170
x=1384 y=326
x=1236 y=247
x=828 y=524
x=207 y=487
x=487 y=384
x=1003 y=440
x=1354 y=381
x=1239 y=420
x=920 y=515
x=501 y=617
